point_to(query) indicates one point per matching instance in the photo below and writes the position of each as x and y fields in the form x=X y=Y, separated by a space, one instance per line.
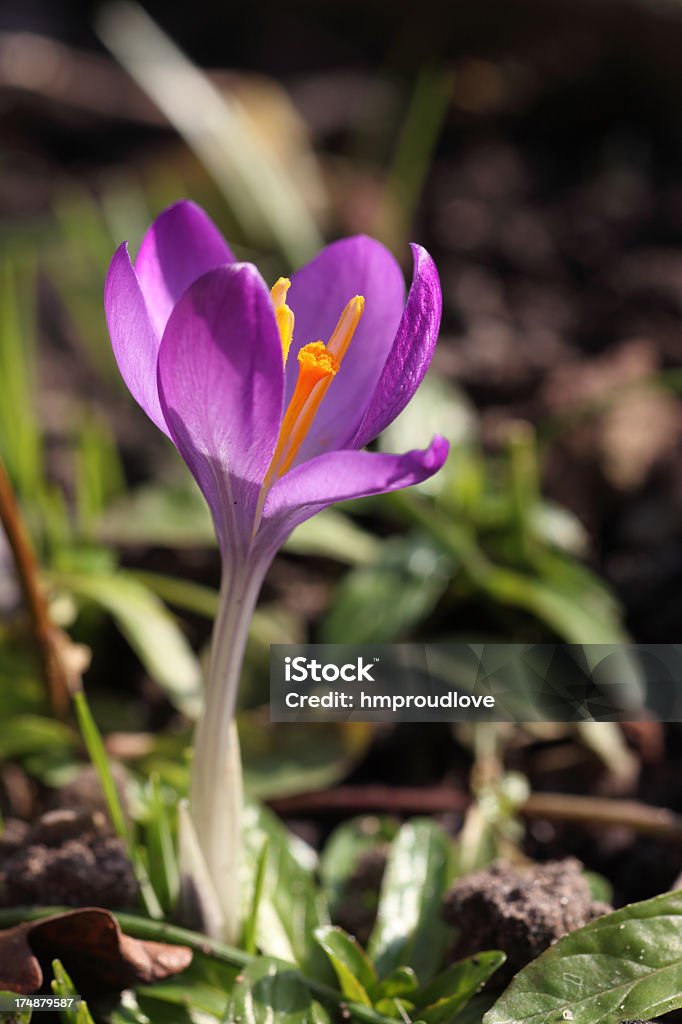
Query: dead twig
x=589 y=811
x=52 y=645
x=605 y=813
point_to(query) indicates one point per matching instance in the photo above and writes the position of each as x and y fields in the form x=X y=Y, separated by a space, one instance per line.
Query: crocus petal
x=411 y=353
x=340 y=476
x=319 y=292
x=182 y=244
x=221 y=386
x=133 y=338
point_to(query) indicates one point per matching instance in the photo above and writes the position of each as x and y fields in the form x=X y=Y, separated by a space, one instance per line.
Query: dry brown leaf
x=93 y=949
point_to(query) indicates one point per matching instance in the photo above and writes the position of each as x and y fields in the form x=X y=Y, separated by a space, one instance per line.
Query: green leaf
x=129 y=1012
x=623 y=966
x=396 y=1009
x=64 y=987
x=100 y=761
x=176 y=517
x=183 y=594
x=409 y=928
x=149 y=628
x=27 y=734
x=251 y=919
x=14 y=1016
x=99 y=475
x=21 y=445
x=270 y=992
x=400 y=982
x=355 y=971
x=159 y=839
x=379 y=603
x=333 y=534
x=263 y=188
x=199 y=994
x=280 y=761
x=475 y=1010
x=291 y=906
x=437 y=408
x=601 y=889
x=346 y=846
x=443 y=998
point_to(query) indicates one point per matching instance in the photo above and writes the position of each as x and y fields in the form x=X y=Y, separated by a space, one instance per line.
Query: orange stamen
x=283 y=314
x=316 y=366
x=342 y=335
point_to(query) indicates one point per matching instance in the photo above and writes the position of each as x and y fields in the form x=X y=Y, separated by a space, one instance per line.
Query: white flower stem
x=215 y=804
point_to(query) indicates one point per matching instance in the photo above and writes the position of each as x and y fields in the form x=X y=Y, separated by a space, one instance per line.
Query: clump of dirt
x=357 y=911
x=521 y=910
x=65 y=858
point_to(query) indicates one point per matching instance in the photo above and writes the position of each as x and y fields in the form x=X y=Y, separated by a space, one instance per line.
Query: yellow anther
x=342 y=335
x=279 y=291
x=283 y=314
x=285 y=323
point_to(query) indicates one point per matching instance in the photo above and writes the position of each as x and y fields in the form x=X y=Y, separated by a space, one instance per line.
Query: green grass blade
x=98 y=756
x=256 y=184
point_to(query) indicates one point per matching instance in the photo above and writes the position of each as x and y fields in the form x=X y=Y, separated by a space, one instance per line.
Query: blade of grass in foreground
x=98 y=756
x=261 y=194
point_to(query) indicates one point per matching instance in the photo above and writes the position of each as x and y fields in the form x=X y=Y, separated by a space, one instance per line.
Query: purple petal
x=319 y=292
x=411 y=353
x=133 y=339
x=221 y=386
x=340 y=476
x=182 y=244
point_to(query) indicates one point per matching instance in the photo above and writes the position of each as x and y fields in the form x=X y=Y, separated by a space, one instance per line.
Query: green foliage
x=199 y=994
x=251 y=918
x=15 y=1016
x=271 y=992
x=384 y=602
x=624 y=966
x=408 y=930
x=290 y=906
x=356 y=974
x=64 y=987
x=296 y=758
x=438 y=1002
x=345 y=848
x=20 y=440
x=258 y=185
x=160 y=843
x=492 y=826
x=149 y=628
x=100 y=761
x=448 y=994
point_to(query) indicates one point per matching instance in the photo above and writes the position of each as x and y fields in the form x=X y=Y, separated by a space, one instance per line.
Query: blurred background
x=536 y=150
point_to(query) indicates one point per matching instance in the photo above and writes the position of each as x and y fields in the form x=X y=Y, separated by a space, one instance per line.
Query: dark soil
x=66 y=858
x=520 y=910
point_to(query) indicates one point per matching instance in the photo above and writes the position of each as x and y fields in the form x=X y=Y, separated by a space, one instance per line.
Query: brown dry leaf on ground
x=92 y=948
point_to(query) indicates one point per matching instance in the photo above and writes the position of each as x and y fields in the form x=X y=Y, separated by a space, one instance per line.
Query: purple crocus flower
x=269 y=395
